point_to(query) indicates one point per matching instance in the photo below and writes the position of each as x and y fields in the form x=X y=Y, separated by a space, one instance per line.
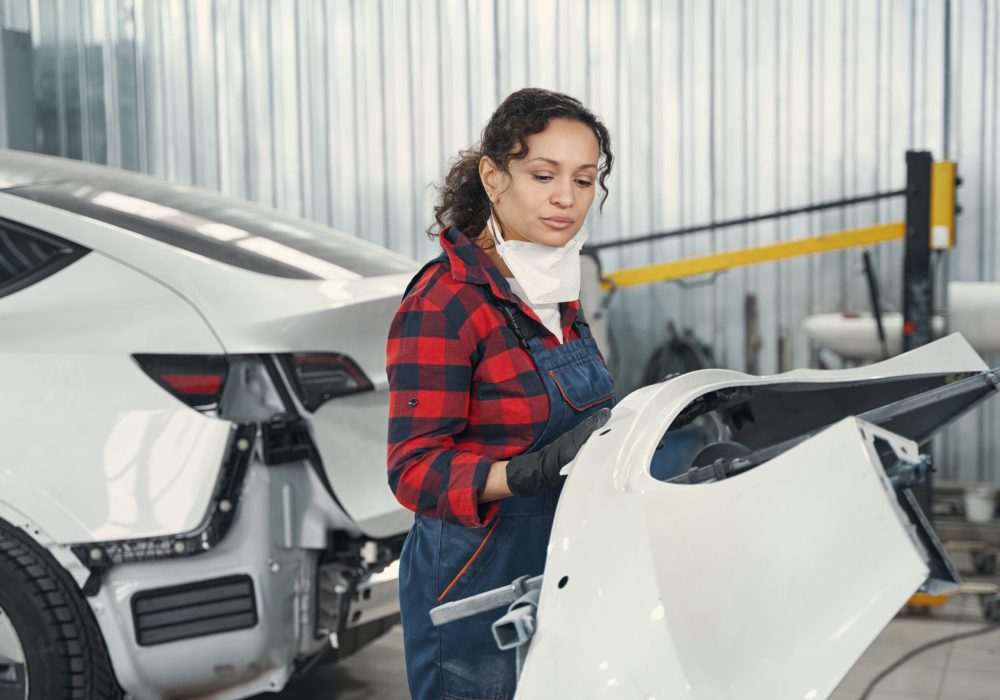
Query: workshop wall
x=346 y=112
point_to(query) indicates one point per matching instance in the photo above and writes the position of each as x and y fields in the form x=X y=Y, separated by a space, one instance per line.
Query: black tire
x=65 y=655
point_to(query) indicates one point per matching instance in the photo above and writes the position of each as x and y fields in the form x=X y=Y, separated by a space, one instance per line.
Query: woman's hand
x=526 y=475
x=496 y=484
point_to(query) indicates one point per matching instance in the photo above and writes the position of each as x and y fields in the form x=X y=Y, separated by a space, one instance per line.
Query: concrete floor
x=963 y=670
x=376 y=672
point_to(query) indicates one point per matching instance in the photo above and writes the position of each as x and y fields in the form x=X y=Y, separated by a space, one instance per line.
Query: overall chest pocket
x=584 y=384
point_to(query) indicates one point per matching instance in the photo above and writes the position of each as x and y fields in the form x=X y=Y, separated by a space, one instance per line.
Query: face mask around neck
x=548 y=275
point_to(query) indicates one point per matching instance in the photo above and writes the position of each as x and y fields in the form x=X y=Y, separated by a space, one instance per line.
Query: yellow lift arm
x=942 y=237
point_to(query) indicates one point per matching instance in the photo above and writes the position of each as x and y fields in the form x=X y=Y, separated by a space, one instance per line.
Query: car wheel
x=50 y=645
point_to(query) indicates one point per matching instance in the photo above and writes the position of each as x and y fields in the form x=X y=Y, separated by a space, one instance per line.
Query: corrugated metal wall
x=346 y=112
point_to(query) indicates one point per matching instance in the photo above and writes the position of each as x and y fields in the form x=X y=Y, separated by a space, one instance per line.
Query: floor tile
x=907 y=679
x=374 y=673
x=847 y=694
x=900 y=695
x=883 y=695
x=885 y=652
x=972 y=685
x=981 y=653
x=917 y=627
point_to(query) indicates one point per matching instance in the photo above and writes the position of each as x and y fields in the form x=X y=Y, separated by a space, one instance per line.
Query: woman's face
x=547 y=194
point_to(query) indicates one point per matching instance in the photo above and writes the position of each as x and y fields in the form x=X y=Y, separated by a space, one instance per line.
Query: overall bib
x=442 y=562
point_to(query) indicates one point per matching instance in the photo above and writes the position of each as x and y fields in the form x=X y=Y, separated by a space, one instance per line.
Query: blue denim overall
x=442 y=562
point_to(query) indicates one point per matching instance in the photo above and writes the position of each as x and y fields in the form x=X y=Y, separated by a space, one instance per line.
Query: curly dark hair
x=463 y=200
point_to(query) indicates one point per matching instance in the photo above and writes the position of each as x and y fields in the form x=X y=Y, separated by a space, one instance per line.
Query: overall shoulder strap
x=581 y=324
x=522 y=326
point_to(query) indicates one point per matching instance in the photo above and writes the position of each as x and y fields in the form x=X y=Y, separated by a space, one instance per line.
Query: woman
x=494 y=381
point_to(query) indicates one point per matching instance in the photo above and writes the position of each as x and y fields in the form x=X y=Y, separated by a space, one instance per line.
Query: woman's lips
x=558 y=224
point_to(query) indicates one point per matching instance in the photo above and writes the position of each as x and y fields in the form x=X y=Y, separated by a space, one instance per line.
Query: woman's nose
x=563 y=194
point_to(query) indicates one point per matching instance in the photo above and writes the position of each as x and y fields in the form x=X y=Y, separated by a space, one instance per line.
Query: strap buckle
x=523 y=334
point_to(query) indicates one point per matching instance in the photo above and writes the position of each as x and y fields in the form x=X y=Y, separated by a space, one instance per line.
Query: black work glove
x=530 y=473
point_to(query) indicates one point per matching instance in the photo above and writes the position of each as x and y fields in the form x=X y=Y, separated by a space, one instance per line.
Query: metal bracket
x=512 y=631
x=98 y=557
x=905 y=450
x=483 y=602
x=515 y=629
x=993 y=377
x=612 y=289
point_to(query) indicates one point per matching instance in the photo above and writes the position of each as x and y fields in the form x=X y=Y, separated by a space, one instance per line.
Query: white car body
x=130 y=489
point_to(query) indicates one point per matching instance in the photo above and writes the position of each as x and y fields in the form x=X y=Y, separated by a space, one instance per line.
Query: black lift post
x=930 y=227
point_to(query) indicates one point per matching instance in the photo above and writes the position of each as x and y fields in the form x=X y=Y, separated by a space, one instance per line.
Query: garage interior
x=796 y=185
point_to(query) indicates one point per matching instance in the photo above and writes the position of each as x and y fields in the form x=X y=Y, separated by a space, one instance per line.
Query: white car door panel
x=350 y=433
x=98 y=451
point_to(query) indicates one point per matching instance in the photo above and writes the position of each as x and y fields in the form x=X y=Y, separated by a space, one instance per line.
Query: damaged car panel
x=761 y=556
x=766 y=585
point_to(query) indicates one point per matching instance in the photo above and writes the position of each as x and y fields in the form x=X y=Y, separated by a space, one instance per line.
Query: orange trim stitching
x=552 y=374
x=471 y=559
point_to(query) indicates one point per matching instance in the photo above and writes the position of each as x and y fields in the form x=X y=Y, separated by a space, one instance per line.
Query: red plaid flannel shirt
x=463 y=393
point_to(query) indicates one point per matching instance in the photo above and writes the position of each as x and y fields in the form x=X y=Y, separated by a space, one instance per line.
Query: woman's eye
x=584 y=183
x=543 y=178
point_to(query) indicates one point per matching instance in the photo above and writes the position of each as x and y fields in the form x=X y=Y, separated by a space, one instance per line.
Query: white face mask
x=548 y=275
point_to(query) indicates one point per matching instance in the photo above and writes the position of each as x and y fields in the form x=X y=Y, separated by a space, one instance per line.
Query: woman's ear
x=489 y=174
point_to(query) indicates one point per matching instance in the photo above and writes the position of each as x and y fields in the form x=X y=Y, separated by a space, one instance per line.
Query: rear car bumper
x=240 y=618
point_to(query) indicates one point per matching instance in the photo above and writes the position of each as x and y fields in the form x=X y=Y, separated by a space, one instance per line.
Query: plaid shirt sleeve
x=430 y=369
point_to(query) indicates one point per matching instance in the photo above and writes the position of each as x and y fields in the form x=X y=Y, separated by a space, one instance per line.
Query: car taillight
x=319 y=377
x=197 y=380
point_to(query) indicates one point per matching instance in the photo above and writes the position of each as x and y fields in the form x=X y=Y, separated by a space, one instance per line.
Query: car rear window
x=28 y=256
x=228 y=230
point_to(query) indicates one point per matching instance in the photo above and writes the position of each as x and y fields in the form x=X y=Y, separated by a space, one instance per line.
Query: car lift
x=929 y=226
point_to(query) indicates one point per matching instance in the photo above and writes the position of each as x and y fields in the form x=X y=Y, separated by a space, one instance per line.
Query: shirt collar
x=469 y=263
